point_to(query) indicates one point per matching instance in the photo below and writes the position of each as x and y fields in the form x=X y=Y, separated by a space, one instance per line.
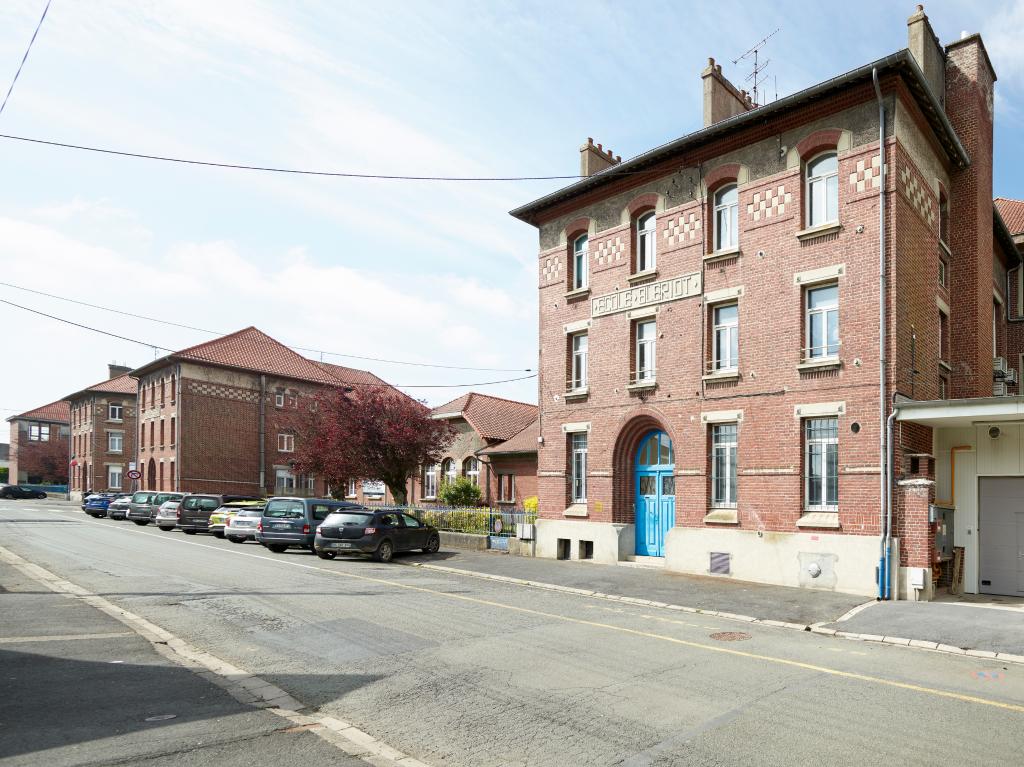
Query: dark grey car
x=292 y=522
x=377 y=532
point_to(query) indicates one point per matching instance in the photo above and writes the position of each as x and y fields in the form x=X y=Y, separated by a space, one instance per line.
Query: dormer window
x=579 y=262
x=646 y=242
x=726 y=218
x=822 y=190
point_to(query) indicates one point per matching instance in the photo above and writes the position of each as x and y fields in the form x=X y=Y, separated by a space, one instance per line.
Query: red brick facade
x=39 y=446
x=103 y=429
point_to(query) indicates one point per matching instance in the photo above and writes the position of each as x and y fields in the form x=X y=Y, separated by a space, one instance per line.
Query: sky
x=424 y=272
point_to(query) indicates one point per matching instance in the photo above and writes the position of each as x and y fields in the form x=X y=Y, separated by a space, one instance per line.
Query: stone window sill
x=578 y=293
x=945 y=366
x=722 y=517
x=819 y=519
x=576 y=510
x=650 y=383
x=647 y=274
x=830 y=363
x=723 y=375
x=818 y=231
x=720 y=255
x=577 y=393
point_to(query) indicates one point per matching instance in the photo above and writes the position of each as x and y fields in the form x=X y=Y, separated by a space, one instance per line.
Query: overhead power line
x=208 y=359
x=297 y=348
x=25 y=57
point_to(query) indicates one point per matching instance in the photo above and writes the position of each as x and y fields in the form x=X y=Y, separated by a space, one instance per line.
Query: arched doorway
x=151 y=484
x=655 y=483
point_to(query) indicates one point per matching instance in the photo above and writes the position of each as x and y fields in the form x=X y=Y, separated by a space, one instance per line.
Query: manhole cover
x=730 y=636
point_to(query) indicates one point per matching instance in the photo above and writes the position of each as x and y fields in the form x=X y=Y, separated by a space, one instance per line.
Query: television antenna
x=754 y=78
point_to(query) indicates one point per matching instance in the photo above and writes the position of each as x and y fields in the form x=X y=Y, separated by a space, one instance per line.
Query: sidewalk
x=707 y=593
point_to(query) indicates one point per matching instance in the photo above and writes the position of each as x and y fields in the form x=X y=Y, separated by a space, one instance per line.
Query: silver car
x=118 y=508
x=167 y=515
x=242 y=526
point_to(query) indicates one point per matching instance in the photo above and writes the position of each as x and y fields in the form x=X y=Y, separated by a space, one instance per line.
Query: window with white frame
x=471 y=470
x=115 y=411
x=646 y=242
x=507 y=488
x=822 y=322
x=448 y=471
x=726 y=217
x=943 y=272
x=114 y=475
x=726 y=337
x=821 y=464
x=579 y=262
x=723 y=465
x=115 y=441
x=286 y=443
x=279 y=398
x=822 y=190
x=995 y=328
x=646 y=332
x=351 y=491
x=943 y=336
x=578 y=467
x=284 y=481
x=578 y=375
x=39 y=432
x=430 y=481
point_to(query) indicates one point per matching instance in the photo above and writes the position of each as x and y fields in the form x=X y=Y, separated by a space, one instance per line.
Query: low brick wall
x=475 y=542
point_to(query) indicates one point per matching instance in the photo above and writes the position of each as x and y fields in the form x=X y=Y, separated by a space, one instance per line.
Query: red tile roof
x=1012 y=212
x=55 y=412
x=523 y=442
x=120 y=385
x=352 y=376
x=493 y=418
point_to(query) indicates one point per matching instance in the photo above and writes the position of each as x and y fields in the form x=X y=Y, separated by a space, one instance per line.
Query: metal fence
x=496 y=523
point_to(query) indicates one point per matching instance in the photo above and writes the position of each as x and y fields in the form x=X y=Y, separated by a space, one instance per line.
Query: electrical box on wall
x=942 y=518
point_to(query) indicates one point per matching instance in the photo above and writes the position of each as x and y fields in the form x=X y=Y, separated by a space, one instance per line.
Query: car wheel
x=189 y=532
x=165 y=528
x=277 y=548
x=218 y=534
x=236 y=539
x=384 y=552
x=141 y=522
x=433 y=544
x=326 y=554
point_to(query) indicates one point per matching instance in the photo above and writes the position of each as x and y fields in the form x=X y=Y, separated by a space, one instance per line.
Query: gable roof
x=523 y=442
x=493 y=418
x=119 y=385
x=352 y=376
x=1012 y=212
x=55 y=412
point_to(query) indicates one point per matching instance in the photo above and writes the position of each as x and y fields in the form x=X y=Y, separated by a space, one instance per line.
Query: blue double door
x=655 y=483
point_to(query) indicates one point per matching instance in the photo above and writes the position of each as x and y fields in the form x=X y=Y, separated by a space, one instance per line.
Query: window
x=152 y=433
x=943 y=337
x=279 y=398
x=163 y=392
x=430 y=481
x=726 y=218
x=995 y=329
x=507 y=488
x=114 y=477
x=578 y=467
x=579 y=262
x=293 y=398
x=142 y=397
x=943 y=218
x=726 y=337
x=646 y=242
x=645 y=348
x=162 y=433
x=285 y=481
x=471 y=470
x=943 y=387
x=352 y=490
x=173 y=430
x=115 y=441
x=286 y=443
x=578 y=374
x=723 y=465
x=821 y=464
x=943 y=272
x=115 y=411
x=448 y=471
x=173 y=390
x=142 y=436
x=39 y=432
x=822 y=190
x=822 y=322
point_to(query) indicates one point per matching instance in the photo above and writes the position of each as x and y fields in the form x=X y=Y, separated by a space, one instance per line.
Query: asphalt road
x=461 y=671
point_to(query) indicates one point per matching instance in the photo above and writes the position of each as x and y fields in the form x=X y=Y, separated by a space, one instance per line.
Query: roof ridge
x=501 y=399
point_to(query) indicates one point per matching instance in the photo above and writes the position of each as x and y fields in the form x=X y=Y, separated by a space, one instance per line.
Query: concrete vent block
x=817 y=570
x=721 y=563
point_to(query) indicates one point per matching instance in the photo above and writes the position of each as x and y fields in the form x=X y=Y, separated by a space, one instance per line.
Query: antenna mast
x=754 y=78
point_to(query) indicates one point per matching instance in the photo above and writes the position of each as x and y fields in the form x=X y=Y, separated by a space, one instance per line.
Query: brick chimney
x=594 y=159
x=925 y=47
x=721 y=98
x=116 y=371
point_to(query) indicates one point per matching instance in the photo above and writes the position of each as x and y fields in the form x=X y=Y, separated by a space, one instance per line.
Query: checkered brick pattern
x=610 y=250
x=682 y=229
x=223 y=392
x=769 y=203
x=550 y=269
x=917 y=195
x=868 y=175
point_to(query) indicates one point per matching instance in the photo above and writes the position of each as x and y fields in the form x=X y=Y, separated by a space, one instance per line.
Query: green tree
x=461 y=492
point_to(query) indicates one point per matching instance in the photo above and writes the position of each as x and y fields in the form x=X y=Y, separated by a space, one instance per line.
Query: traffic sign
x=133 y=474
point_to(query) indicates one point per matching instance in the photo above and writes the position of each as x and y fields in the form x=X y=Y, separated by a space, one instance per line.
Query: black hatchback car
x=377 y=532
x=16 y=491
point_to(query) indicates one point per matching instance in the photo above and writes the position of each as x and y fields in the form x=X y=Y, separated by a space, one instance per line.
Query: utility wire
x=207 y=359
x=220 y=333
x=25 y=57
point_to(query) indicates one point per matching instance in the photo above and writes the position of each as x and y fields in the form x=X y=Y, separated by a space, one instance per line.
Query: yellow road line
x=949 y=694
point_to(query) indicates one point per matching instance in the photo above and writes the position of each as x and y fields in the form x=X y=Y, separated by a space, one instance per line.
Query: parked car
x=291 y=522
x=16 y=492
x=118 y=508
x=242 y=526
x=167 y=515
x=221 y=518
x=195 y=509
x=98 y=504
x=145 y=504
x=377 y=532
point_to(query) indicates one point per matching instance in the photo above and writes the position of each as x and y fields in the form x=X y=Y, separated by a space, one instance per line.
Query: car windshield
x=250 y=513
x=141 y=497
x=346 y=519
x=200 y=503
x=284 y=509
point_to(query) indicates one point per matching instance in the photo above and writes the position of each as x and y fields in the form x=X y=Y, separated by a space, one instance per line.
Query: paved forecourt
x=462 y=671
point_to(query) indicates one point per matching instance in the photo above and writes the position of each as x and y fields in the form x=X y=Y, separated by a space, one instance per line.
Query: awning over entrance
x=949 y=413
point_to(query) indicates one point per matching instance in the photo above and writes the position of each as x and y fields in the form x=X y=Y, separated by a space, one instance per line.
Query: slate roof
x=523 y=442
x=1012 y=212
x=55 y=412
x=493 y=418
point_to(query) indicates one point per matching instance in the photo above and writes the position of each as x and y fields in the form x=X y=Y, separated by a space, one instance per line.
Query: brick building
x=713 y=389
x=103 y=428
x=483 y=422
x=217 y=417
x=39 y=445
x=511 y=468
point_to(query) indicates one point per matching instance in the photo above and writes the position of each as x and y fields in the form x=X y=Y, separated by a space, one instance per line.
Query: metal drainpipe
x=263 y=413
x=885 y=507
x=888 y=500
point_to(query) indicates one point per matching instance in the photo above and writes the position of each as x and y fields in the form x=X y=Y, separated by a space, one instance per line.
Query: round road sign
x=133 y=474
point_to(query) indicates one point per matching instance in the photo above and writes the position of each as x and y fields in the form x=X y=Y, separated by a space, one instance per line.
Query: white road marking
x=64 y=637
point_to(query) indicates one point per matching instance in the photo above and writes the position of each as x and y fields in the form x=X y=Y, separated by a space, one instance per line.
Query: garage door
x=1001 y=535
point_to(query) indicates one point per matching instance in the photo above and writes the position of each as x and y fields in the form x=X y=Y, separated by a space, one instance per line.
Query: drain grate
x=730 y=636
